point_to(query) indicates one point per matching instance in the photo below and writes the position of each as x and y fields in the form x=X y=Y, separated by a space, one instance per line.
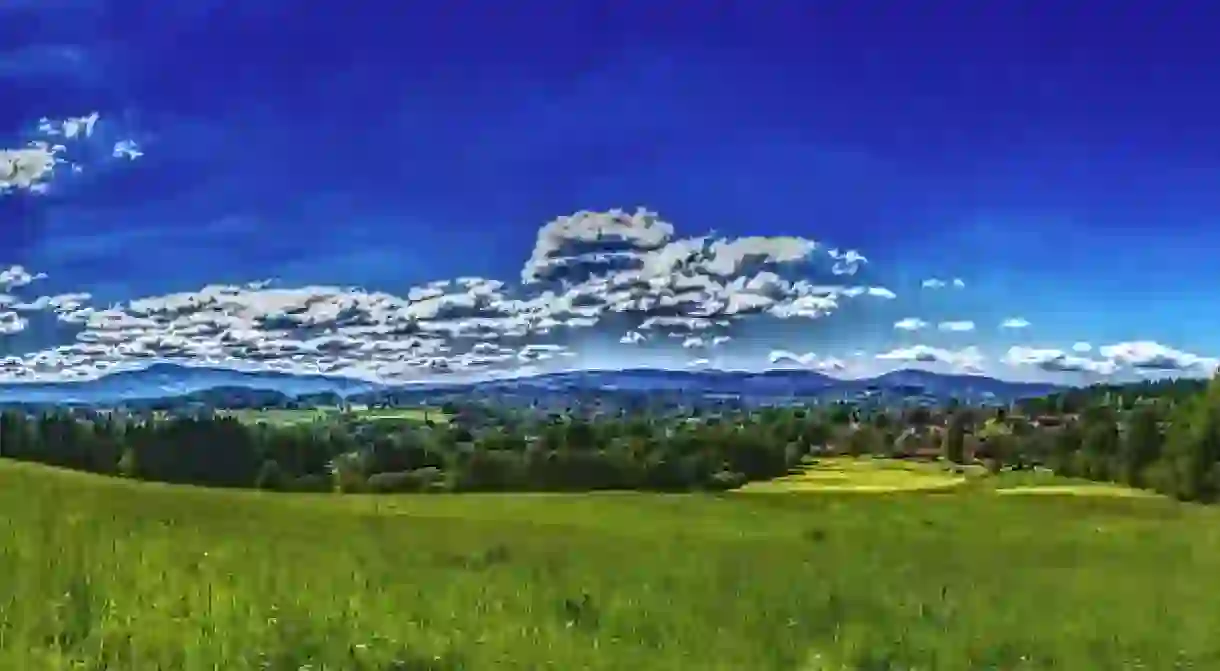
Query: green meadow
x=99 y=573
x=285 y=417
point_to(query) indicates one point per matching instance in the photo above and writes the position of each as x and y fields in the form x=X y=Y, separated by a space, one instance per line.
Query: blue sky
x=1061 y=164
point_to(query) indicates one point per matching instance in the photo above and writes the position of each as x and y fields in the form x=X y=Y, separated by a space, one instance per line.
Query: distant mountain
x=161 y=380
x=171 y=381
x=938 y=384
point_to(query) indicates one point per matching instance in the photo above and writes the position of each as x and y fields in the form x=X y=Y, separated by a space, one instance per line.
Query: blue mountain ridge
x=169 y=380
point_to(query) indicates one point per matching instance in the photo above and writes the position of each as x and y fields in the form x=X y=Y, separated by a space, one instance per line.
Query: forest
x=1163 y=437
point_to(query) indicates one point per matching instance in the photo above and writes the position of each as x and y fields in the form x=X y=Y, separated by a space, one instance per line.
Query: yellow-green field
x=844 y=474
x=99 y=573
x=875 y=475
x=1090 y=489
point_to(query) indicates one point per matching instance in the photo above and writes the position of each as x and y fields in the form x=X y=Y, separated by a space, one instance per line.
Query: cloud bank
x=598 y=286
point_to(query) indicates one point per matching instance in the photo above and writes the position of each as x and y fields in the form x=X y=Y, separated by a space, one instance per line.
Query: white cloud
x=558 y=242
x=1148 y=355
x=11 y=322
x=61 y=304
x=633 y=266
x=781 y=356
x=69 y=128
x=608 y=270
x=969 y=358
x=30 y=167
x=910 y=324
x=956 y=326
x=16 y=277
x=846 y=262
x=1140 y=356
x=127 y=149
x=632 y=338
x=935 y=283
x=625 y=274
x=1014 y=323
x=1057 y=361
x=785 y=359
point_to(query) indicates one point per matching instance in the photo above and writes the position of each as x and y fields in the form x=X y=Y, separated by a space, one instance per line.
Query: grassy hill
x=109 y=574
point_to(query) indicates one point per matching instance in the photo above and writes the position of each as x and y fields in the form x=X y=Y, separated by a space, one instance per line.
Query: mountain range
x=168 y=381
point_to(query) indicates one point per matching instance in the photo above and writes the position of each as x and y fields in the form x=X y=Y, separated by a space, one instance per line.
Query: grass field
x=843 y=474
x=406 y=414
x=279 y=417
x=283 y=417
x=98 y=573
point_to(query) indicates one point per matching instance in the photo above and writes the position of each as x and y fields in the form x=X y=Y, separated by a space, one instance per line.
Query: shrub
x=726 y=480
x=310 y=483
x=418 y=480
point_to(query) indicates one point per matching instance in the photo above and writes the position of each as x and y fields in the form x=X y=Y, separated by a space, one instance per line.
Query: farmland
x=860 y=475
x=289 y=417
x=109 y=573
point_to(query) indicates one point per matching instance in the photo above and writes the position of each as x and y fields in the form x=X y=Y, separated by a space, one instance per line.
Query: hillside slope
x=124 y=575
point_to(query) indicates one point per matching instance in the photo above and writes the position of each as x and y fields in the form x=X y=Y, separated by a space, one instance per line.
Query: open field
x=1090 y=489
x=284 y=417
x=844 y=474
x=279 y=417
x=406 y=414
x=120 y=575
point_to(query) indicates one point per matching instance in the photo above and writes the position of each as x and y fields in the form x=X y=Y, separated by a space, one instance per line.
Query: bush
x=726 y=480
x=418 y=480
x=270 y=476
x=310 y=483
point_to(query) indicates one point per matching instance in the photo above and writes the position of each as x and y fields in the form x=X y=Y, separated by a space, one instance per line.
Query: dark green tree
x=954 y=443
x=1141 y=446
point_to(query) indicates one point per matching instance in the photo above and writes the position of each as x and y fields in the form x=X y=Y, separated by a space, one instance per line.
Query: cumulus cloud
x=936 y=283
x=960 y=326
x=1057 y=361
x=16 y=277
x=632 y=338
x=1014 y=323
x=127 y=149
x=910 y=324
x=633 y=266
x=1134 y=357
x=610 y=270
x=784 y=359
x=69 y=128
x=31 y=167
x=966 y=359
x=11 y=322
x=1148 y=355
x=846 y=262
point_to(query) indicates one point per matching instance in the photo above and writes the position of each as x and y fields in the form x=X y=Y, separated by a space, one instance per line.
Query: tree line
x=568 y=454
x=1169 y=444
